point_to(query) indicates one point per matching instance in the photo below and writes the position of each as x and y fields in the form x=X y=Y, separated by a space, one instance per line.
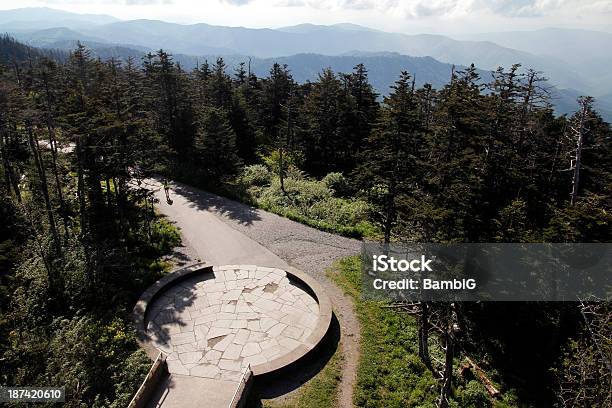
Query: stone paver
x=213 y=326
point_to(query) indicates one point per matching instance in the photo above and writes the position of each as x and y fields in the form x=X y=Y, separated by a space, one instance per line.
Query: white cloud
x=108 y=2
x=428 y=8
x=236 y=2
x=411 y=16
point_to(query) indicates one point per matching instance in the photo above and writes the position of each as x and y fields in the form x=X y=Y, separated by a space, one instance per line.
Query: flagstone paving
x=214 y=325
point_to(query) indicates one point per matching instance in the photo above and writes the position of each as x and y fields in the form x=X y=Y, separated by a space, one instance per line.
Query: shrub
x=291 y=160
x=308 y=200
x=339 y=211
x=256 y=175
x=474 y=395
x=164 y=236
x=337 y=183
x=292 y=172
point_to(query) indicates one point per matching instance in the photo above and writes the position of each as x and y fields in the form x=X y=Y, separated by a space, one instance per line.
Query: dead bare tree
x=578 y=130
x=585 y=379
x=447 y=326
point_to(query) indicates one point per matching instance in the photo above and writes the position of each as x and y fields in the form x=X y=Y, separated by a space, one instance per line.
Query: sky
x=408 y=16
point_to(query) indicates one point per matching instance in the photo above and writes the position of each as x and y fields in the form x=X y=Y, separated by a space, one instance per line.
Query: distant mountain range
x=576 y=61
x=43 y=17
x=584 y=52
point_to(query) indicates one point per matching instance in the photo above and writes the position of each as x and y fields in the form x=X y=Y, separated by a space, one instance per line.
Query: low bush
x=338 y=184
x=255 y=175
x=307 y=200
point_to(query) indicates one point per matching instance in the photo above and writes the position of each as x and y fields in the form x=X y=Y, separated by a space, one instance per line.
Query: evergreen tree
x=329 y=113
x=391 y=158
x=217 y=156
x=219 y=90
x=275 y=91
x=171 y=101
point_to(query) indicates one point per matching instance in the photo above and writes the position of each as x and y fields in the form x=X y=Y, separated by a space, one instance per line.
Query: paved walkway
x=222 y=231
x=213 y=240
x=180 y=391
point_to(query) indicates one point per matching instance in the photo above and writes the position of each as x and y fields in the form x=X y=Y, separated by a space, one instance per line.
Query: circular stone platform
x=214 y=324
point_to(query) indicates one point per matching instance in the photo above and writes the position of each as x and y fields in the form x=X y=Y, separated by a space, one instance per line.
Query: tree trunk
x=390 y=211
x=81 y=185
x=578 y=155
x=58 y=184
x=281 y=170
x=109 y=201
x=424 y=334
x=43 y=187
x=449 y=352
x=9 y=174
x=53 y=147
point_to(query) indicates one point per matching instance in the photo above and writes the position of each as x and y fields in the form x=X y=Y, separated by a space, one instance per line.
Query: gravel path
x=303 y=247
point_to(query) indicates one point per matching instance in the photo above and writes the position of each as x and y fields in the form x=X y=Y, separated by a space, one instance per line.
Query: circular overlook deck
x=213 y=322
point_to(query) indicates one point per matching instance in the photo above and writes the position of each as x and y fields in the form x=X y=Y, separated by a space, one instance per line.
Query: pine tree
x=391 y=158
x=172 y=101
x=217 y=156
x=219 y=89
x=275 y=91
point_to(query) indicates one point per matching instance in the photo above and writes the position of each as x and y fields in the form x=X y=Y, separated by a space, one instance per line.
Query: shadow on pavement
x=226 y=207
x=292 y=377
x=180 y=296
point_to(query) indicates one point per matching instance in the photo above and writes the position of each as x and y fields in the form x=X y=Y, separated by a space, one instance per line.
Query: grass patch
x=390 y=373
x=320 y=392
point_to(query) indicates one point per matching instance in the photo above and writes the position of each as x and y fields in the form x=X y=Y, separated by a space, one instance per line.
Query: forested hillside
x=462 y=162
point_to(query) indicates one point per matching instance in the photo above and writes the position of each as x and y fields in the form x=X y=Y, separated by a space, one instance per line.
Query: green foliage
x=290 y=161
x=590 y=220
x=79 y=338
x=512 y=223
x=217 y=158
x=96 y=361
x=164 y=236
x=255 y=175
x=338 y=184
x=583 y=373
x=390 y=372
x=473 y=395
x=313 y=203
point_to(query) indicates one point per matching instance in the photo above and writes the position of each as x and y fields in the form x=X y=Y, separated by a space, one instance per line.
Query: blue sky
x=409 y=16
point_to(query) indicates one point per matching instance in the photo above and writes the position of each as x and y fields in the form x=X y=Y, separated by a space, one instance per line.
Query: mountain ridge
x=326 y=44
x=202 y=38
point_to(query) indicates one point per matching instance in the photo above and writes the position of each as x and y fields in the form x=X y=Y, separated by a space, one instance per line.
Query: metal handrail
x=243 y=380
x=146 y=379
